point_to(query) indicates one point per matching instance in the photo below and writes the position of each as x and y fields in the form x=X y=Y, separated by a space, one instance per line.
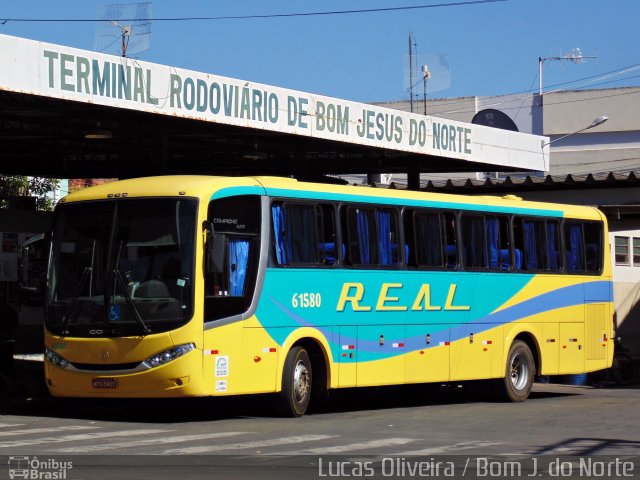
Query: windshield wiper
x=120 y=279
x=75 y=301
x=117 y=275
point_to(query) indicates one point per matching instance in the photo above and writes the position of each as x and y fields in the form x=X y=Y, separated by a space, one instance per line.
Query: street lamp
x=596 y=121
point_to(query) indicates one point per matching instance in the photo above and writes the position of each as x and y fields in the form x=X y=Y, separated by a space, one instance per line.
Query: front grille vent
x=105 y=367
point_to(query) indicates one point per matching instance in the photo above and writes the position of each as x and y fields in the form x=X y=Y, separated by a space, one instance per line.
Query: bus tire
x=519 y=374
x=293 y=399
x=623 y=369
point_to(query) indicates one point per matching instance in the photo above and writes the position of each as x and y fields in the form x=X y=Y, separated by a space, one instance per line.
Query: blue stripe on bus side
x=369 y=349
x=553 y=300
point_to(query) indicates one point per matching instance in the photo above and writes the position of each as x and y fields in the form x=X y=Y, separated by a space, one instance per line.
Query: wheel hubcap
x=519 y=372
x=301 y=381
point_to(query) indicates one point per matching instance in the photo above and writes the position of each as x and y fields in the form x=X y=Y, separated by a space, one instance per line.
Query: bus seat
x=499 y=259
x=152 y=289
x=505 y=259
x=452 y=253
x=394 y=250
x=329 y=249
x=572 y=260
x=518 y=258
x=494 y=261
x=591 y=251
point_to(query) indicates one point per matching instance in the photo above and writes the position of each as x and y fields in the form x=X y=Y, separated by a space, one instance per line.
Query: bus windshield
x=121 y=267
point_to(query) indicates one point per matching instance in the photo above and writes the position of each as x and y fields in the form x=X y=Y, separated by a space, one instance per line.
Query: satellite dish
x=494 y=118
x=123 y=29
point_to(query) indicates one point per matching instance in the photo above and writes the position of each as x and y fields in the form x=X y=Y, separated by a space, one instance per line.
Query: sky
x=482 y=49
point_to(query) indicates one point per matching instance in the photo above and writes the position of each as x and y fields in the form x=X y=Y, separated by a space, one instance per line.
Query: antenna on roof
x=574 y=56
x=123 y=29
x=414 y=74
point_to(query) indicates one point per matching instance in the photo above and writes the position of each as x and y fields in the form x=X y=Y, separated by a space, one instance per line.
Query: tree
x=16 y=186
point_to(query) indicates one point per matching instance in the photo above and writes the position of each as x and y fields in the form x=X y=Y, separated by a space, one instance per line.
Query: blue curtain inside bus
x=530 y=245
x=300 y=233
x=429 y=240
x=295 y=234
x=473 y=251
x=278 y=232
x=238 y=259
x=384 y=238
x=552 y=239
x=575 y=254
x=493 y=237
x=363 y=237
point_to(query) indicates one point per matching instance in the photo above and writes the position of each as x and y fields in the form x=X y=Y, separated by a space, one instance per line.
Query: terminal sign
x=212 y=98
x=60 y=72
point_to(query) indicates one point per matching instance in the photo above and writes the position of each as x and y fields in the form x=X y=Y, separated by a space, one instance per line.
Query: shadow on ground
x=30 y=398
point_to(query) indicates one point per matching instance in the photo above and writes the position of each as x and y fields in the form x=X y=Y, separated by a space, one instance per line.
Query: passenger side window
x=535 y=244
x=554 y=245
x=498 y=242
x=430 y=239
x=372 y=236
x=474 y=251
x=303 y=233
x=427 y=238
x=593 y=247
x=574 y=247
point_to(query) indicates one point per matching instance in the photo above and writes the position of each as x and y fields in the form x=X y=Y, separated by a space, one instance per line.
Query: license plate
x=105 y=382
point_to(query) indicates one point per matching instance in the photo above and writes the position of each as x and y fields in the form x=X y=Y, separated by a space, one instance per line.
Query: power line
x=530 y=90
x=597 y=162
x=528 y=96
x=266 y=16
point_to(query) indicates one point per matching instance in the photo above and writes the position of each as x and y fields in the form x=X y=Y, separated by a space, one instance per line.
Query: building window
x=622 y=250
x=636 y=252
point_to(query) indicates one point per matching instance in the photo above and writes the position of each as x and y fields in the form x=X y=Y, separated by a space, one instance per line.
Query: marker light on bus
x=55 y=359
x=168 y=355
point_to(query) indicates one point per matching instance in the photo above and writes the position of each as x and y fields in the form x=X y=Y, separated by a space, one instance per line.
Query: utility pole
x=411 y=43
x=426 y=75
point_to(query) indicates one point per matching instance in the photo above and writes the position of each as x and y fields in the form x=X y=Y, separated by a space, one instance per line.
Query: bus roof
x=208 y=187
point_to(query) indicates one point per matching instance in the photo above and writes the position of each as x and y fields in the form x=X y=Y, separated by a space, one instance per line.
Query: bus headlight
x=55 y=359
x=168 y=355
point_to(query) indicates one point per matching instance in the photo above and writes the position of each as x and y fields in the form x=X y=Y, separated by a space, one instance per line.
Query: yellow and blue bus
x=212 y=286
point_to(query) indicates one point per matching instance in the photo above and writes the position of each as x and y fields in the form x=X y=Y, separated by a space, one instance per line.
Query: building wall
x=567 y=111
x=626 y=288
x=520 y=108
x=612 y=146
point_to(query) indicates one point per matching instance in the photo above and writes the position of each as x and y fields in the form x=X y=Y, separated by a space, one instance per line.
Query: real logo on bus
x=353 y=294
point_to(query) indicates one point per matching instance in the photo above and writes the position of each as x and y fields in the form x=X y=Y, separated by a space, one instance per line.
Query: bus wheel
x=294 y=398
x=519 y=374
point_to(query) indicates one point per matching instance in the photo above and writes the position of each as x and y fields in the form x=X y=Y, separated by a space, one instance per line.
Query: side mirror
x=214 y=249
